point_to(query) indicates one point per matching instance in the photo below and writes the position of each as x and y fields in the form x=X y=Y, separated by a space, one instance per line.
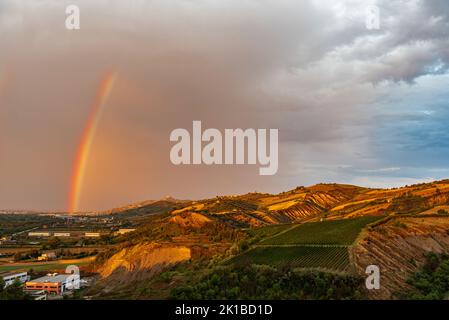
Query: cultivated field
x=270 y=230
x=321 y=245
x=333 y=258
x=45 y=266
x=338 y=232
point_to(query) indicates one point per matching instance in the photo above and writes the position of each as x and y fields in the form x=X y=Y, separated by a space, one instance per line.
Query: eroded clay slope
x=148 y=258
x=398 y=247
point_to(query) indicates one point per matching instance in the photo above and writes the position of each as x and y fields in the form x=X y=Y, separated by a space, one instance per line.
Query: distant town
x=39 y=252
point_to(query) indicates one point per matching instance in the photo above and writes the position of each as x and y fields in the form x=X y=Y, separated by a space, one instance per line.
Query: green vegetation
x=269 y=231
x=334 y=258
x=265 y=282
x=40 y=266
x=407 y=204
x=309 y=245
x=337 y=232
x=12 y=292
x=12 y=223
x=431 y=282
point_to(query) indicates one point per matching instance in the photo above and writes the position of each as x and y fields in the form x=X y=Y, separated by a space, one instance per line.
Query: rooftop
x=11 y=273
x=52 y=278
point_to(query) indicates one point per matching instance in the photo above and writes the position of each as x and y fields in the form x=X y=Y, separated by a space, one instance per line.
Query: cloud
x=309 y=68
x=383 y=182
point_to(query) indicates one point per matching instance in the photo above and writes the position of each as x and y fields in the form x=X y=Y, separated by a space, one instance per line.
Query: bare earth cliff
x=398 y=247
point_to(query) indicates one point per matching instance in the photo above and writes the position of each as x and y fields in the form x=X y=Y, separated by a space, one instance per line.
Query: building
x=10 y=278
x=61 y=234
x=47 y=256
x=38 y=234
x=54 y=283
x=36 y=294
x=123 y=231
x=92 y=234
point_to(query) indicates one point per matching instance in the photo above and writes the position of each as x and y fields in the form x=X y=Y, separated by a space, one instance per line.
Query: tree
x=13 y=291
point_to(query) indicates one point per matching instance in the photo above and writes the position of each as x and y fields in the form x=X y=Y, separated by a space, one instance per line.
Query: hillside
x=327 y=227
x=322 y=201
x=398 y=247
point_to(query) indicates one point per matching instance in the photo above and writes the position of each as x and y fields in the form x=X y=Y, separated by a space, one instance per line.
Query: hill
x=332 y=228
x=322 y=201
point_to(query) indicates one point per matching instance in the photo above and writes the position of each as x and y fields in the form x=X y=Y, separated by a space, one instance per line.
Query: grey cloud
x=296 y=66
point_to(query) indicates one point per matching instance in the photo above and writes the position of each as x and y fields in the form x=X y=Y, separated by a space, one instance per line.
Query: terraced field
x=337 y=232
x=333 y=258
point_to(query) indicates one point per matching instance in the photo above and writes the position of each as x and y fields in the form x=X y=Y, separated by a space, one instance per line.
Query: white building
x=10 y=278
x=124 y=231
x=61 y=234
x=92 y=234
x=38 y=234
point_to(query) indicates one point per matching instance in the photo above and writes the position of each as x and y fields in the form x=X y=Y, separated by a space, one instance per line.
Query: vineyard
x=269 y=230
x=334 y=258
x=309 y=245
x=338 y=232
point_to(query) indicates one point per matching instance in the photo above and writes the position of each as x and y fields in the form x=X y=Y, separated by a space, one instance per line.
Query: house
x=54 y=283
x=47 y=256
x=10 y=278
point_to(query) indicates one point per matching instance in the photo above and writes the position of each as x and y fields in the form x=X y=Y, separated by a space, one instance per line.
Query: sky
x=352 y=104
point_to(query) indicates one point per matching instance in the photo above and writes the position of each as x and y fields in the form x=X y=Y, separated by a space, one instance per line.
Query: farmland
x=338 y=232
x=44 y=266
x=333 y=258
x=269 y=230
x=322 y=245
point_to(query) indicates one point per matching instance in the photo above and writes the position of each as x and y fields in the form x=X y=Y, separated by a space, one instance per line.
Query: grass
x=336 y=232
x=334 y=258
x=41 y=267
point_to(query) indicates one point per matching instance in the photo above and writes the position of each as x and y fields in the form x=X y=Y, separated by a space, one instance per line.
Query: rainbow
x=85 y=143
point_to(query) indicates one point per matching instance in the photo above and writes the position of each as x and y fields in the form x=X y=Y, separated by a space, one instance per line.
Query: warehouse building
x=10 y=278
x=38 y=234
x=54 y=283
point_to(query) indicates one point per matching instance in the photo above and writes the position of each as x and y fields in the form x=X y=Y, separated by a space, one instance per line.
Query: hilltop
x=322 y=201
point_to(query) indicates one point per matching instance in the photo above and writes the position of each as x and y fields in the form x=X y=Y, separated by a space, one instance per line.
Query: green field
x=39 y=267
x=269 y=230
x=337 y=232
x=334 y=258
x=308 y=245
